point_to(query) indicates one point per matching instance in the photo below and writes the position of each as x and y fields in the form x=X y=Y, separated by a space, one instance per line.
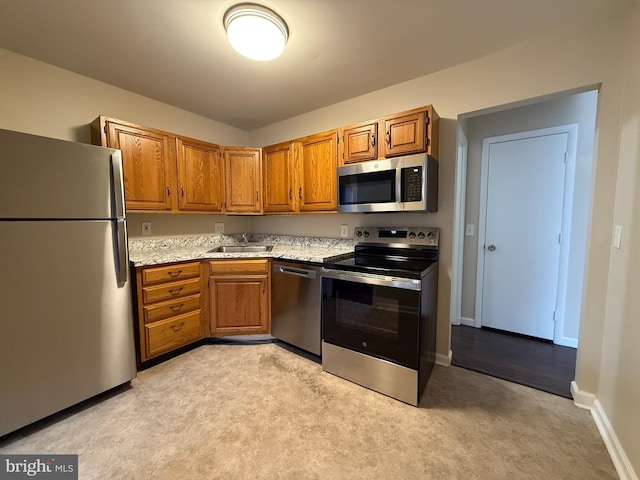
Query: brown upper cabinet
x=164 y=172
x=360 y=142
x=243 y=180
x=317 y=160
x=300 y=176
x=279 y=178
x=200 y=176
x=413 y=131
x=148 y=164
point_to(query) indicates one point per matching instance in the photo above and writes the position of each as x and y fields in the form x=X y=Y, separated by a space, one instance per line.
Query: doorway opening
x=520 y=238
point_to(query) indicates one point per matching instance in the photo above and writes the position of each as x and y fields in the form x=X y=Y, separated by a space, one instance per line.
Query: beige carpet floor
x=262 y=412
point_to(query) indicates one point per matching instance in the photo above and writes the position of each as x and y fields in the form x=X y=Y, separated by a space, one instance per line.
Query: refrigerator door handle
x=118 y=184
x=122 y=253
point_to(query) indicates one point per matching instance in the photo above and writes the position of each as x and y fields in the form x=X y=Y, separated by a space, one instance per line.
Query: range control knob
x=431 y=236
x=366 y=234
x=358 y=233
x=421 y=235
x=412 y=234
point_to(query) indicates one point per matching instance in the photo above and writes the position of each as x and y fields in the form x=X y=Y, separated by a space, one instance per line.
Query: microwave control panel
x=412 y=184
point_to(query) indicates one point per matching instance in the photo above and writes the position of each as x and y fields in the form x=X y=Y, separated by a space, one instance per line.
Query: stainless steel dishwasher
x=296 y=292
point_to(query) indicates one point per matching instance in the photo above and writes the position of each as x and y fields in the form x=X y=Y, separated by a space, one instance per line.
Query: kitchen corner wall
x=42 y=99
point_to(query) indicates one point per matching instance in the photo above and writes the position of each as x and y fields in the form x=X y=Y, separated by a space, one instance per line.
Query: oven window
x=376 y=187
x=375 y=320
x=378 y=316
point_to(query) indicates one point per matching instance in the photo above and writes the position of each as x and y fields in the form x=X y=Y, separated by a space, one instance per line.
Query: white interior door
x=523 y=223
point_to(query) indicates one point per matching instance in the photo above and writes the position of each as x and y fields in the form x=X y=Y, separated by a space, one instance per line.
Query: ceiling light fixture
x=255 y=31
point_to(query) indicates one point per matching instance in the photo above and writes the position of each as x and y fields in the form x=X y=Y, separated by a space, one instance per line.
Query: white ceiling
x=175 y=51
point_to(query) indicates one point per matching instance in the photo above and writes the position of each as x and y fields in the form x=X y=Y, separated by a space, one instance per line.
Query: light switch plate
x=146 y=228
x=470 y=230
x=617 y=236
x=218 y=227
x=344 y=230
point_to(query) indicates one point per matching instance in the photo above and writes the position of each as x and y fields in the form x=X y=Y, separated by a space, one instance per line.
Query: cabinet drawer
x=173 y=333
x=160 y=311
x=170 y=272
x=170 y=290
x=222 y=267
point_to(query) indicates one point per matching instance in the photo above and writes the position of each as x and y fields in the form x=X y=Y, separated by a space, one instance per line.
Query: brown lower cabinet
x=171 y=310
x=175 y=307
x=239 y=298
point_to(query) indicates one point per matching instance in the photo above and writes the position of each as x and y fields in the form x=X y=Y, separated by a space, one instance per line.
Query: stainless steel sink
x=241 y=248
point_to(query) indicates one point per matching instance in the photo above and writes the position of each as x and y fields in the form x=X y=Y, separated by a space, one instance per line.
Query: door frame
x=572 y=131
x=455 y=307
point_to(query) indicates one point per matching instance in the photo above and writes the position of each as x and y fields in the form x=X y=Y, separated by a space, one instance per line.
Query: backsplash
x=210 y=241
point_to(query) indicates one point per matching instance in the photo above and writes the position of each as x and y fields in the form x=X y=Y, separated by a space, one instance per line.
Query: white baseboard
x=566 y=342
x=618 y=456
x=469 y=322
x=581 y=398
x=444 y=360
x=617 y=453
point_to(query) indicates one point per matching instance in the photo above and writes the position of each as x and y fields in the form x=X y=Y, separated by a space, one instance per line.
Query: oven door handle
x=370 y=279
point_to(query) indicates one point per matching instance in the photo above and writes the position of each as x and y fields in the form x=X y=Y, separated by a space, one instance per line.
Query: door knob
x=491 y=248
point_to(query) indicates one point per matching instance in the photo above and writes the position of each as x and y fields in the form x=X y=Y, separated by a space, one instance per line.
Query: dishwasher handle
x=298 y=272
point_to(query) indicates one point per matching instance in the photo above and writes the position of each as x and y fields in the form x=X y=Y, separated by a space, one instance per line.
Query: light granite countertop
x=180 y=249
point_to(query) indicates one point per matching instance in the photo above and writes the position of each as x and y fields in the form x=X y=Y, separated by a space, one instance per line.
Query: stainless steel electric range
x=379 y=311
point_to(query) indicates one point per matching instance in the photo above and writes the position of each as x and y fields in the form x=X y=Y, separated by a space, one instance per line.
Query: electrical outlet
x=344 y=230
x=146 y=228
x=218 y=227
x=470 y=230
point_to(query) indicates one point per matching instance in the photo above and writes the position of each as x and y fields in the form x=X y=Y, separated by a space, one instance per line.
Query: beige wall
x=619 y=390
x=533 y=69
x=577 y=109
x=180 y=225
x=45 y=100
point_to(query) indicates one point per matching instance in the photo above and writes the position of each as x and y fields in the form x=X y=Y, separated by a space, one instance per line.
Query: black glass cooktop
x=388 y=262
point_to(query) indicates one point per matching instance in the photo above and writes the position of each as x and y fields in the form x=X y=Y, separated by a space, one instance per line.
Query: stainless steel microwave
x=401 y=184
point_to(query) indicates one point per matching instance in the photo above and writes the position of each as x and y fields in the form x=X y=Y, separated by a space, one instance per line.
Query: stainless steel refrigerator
x=66 y=329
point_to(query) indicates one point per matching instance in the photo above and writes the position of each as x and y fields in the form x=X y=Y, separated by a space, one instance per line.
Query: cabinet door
x=405 y=134
x=239 y=304
x=147 y=167
x=360 y=143
x=279 y=178
x=243 y=180
x=200 y=176
x=317 y=163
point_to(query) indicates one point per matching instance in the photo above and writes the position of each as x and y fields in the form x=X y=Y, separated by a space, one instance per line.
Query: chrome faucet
x=244 y=238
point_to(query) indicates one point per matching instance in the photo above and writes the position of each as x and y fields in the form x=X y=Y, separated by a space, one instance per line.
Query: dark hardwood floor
x=535 y=363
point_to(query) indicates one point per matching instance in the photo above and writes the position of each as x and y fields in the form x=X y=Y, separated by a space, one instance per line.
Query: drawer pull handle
x=177 y=328
x=174 y=273
x=175 y=291
x=176 y=308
